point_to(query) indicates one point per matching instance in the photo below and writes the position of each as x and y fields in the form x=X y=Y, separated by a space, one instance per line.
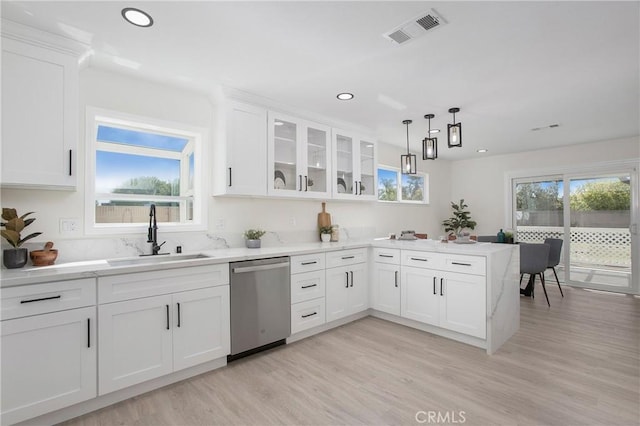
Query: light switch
x=68 y=226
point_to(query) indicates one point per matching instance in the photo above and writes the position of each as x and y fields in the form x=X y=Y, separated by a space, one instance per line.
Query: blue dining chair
x=534 y=259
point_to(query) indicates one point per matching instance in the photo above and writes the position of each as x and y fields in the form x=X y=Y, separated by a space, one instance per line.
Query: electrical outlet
x=220 y=224
x=68 y=226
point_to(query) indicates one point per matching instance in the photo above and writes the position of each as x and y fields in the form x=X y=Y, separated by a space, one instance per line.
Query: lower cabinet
x=48 y=362
x=346 y=290
x=146 y=338
x=307 y=291
x=449 y=300
x=385 y=288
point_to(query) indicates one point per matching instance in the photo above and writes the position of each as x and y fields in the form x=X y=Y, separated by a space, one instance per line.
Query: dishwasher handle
x=244 y=269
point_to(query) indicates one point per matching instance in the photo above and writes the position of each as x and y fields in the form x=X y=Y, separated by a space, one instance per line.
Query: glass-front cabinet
x=298 y=153
x=354 y=166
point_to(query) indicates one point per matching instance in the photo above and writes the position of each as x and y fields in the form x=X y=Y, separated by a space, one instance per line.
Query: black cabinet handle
x=300 y=179
x=306 y=183
x=309 y=263
x=70 y=162
x=178 y=314
x=385 y=255
x=41 y=299
x=167 y=317
x=434 y=285
x=309 y=315
x=418 y=258
x=461 y=264
x=88 y=332
x=229 y=176
x=309 y=286
x=441 y=279
x=396 y=278
x=351 y=278
x=347 y=257
x=347 y=274
x=360 y=187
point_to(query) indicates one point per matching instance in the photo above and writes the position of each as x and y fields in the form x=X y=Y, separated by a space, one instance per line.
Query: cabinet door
x=344 y=173
x=201 y=330
x=284 y=176
x=358 y=295
x=39 y=116
x=367 y=170
x=385 y=288
x=246 y=150
x=135 y=342
x=337 y=284
x=463 y=306
x=48 y=362
x=316 y=160
x=420 y=295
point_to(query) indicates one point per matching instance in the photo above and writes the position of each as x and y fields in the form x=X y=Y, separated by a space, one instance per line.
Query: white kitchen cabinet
x=148 y=328
x=347 y=290
x=354 y=166
x=39 y=116
x=307 y=291
x=298 y=157
x=420 y=299
x=385 y=288
x=463 y=304
x=240 y=150
x=48 y=362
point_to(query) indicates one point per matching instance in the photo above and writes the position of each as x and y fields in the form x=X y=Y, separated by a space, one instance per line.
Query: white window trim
x=425 y=201
x=200 y=137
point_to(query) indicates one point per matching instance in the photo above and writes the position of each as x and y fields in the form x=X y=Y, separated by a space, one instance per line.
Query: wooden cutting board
x=324 y=218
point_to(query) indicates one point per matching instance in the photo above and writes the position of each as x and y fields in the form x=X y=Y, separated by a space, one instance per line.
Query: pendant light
x=429 y=144
x=408 y=161
x=454 y=131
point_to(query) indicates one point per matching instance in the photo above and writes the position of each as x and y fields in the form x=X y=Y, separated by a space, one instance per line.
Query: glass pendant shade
x=454 y=131
x=429 y=148
x=408 y=161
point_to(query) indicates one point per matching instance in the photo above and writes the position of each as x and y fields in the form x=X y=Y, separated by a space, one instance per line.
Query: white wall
x=123 y=93
x=481 y=182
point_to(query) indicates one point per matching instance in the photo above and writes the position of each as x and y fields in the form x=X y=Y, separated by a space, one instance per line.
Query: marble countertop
x=102 y=267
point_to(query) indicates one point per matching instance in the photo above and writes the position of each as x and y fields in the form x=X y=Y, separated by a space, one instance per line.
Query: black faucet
x=153 y=232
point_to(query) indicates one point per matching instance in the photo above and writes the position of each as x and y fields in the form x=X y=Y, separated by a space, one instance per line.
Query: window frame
x=197 y=146
x=399 y=176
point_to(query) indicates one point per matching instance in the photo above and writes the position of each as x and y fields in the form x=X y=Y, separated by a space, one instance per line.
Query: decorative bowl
x=43 y=257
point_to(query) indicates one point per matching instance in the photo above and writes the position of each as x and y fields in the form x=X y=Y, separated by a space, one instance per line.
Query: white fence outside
x=589 y=246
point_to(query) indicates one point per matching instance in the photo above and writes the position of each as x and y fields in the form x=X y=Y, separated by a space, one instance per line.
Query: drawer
x=466 y=264
x=346 y=257
x=422 y=259
x=306 y=315
x=307 y=263
x=56 y=296
x=383 y=255
x=144 y=284
x=307 y=286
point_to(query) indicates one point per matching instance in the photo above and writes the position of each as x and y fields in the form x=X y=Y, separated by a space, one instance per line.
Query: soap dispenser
x=501 y=237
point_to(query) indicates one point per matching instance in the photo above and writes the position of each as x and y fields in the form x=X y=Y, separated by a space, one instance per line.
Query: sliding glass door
x=596 y=216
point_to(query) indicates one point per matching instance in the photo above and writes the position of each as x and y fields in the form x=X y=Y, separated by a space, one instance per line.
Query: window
x=134 y=162
x=394 y=186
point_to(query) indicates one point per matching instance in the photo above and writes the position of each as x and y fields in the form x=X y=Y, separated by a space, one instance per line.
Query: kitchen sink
x=151 y=260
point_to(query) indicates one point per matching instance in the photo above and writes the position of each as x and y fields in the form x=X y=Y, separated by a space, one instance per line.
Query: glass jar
x=335 y=233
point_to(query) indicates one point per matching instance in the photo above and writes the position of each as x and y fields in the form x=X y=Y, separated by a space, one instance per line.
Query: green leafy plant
x=326 y=229
x=460 y=220
x=254 y=234
x=14 y=225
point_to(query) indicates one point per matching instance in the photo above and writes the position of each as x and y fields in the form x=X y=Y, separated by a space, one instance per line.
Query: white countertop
x=97 y=268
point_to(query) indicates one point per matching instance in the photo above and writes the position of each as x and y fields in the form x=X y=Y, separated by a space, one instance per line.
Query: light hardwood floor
x=576 y=363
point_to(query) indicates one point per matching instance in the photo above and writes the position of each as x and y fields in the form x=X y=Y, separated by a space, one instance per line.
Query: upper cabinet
x=240 y=150
x=354 y=166
x=298 y=157
x=39 y=115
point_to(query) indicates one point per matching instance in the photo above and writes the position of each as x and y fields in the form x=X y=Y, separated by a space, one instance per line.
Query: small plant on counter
x=254 y=234
x=17 y=256
x=460 y=220
x=326 y=229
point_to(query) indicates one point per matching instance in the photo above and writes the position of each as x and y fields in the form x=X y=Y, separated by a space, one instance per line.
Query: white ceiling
x=509 y=66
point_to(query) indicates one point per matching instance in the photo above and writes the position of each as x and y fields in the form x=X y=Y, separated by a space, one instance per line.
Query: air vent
x=415 y=27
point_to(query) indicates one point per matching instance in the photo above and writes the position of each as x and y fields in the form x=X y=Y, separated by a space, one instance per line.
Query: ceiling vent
x=415 y=27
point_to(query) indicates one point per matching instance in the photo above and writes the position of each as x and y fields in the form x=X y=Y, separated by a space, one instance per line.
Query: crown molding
x=39 y=38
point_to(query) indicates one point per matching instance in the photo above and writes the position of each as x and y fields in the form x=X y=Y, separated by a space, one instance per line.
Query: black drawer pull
x=309 y=286
x=385 y=255
x=167 y=317
x=309 y=263
x=41 y=299
x=461 y=264
x=70 y=162
x=178 y=314
x=418 y=258
x=434 y=285
x=309 y=315
x=88 y=332
x=229 y=176
x=347 y=257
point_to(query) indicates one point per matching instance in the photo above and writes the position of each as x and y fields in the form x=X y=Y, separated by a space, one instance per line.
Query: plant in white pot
x=17 y=256
x=460 y=221
x=252 y=237
x=325 y=233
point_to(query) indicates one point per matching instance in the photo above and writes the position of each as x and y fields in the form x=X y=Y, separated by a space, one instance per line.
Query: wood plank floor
x=576 y=363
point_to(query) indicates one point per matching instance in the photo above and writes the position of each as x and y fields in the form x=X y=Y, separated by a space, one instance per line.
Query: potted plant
x=17 y=256
x=252 y=237
x=460 y=221
x=325 y=233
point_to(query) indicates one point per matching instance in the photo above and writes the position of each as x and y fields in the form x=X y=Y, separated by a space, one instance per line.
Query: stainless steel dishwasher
x=260 y=305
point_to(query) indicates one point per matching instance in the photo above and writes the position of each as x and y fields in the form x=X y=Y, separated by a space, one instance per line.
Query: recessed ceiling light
x=345 y=96
x=137 y=17
x=483 y=150
x=434 y=131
